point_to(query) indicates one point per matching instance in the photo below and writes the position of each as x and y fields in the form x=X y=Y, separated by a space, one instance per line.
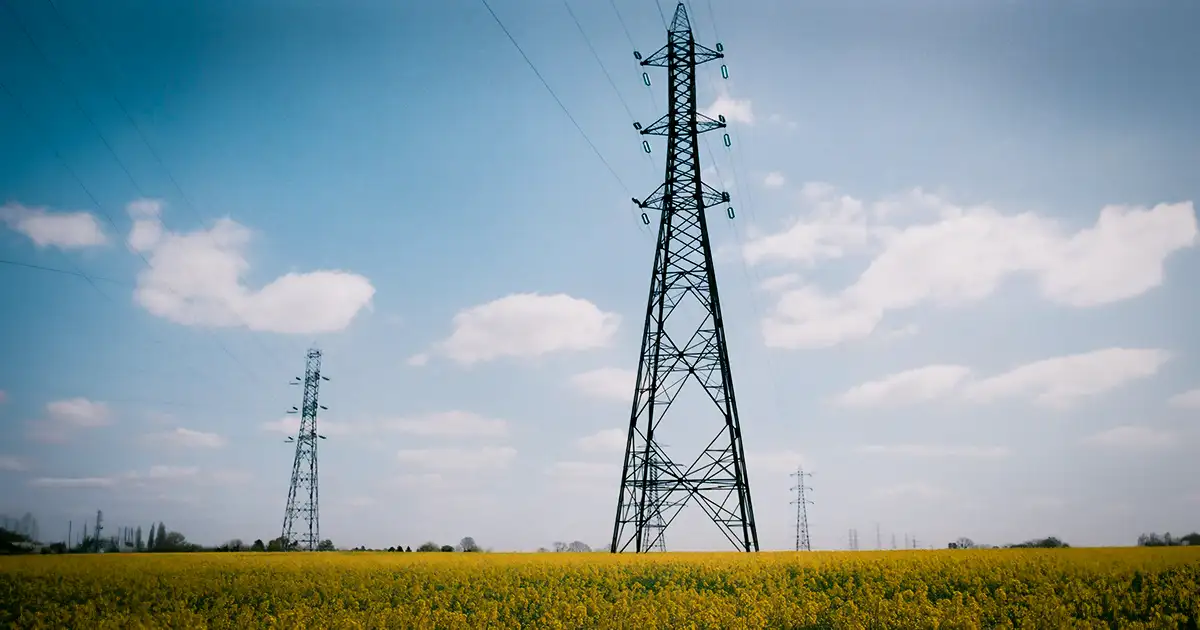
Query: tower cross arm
x=712 y=196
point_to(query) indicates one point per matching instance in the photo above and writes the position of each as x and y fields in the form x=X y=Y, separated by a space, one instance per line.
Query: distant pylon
x=303 y=495
x=803 y=542
x=683 y=341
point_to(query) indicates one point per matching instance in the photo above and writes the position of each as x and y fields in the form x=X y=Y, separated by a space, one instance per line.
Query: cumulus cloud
x=527 y=325
x=1133 y=438
x=63 y=418
x=948 y=254
x=449 y=424
x=911 y=386
x=472 y=460
x=1057 y=382
x=936 y=451
x=1187 y=400
x=64 y=230
x=186 y=438
x=774 y=179
x=606 y=441
x=1061 y=381
x=735 y=110
x=610 y=383
x=196 y=279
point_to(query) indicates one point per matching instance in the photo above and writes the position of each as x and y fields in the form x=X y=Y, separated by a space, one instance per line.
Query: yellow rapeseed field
x=1071 y=588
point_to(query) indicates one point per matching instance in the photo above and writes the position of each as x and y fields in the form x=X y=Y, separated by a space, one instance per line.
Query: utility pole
x=878 y=539
x=684 y=335
x=655 y=530
x=803 y=542
x=99 y=528
x=893 y=542
x=303 y=492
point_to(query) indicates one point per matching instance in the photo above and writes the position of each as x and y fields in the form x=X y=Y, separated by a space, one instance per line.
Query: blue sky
x=926 y=304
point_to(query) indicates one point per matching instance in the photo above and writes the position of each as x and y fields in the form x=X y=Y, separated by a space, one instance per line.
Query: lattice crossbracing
x=683 y=343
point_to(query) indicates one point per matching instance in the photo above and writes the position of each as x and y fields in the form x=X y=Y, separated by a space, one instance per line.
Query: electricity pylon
x=684 y=336
x=803 y=542
x=303 y=495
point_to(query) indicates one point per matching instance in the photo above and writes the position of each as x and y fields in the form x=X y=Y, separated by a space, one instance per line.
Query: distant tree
x=160 y=540
x=235 y=544
x=258 y=545
x=429 y=546
x=447 y=548
x=560 y=546
x=578 y=547
x=1041 y=543
x=150 y=543
x=468 y=545
x=543 y=550
x=408 y=549
x=325 y=545
x=137 y=538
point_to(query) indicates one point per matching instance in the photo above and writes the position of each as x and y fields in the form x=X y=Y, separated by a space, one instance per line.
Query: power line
x=99 y=207
x=57 y=75
x=187 y=202
x=549 y=89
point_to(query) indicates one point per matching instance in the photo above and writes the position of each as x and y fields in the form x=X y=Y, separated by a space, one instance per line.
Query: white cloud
x=449 y=424
x=156 y=478
x=936 y=451
x=606 y=441
x=1133 y=437
x=290 y=425
x=196 y=279
x=774 y=179
x=65 y=417
x=73 y=482
x=187 y=438
x=908 y=387
x=734 y=110
x=64 y=230
x=528 y=325
x=836 y=226
x=1187 y=400
x=1062 y=381
x=955 y=256
x=485 y=458
x=611 y=383
x=774 y=284
x=418 y=360
x=12 y=464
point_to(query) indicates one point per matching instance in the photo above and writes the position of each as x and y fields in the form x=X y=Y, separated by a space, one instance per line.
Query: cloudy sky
x=956 y=288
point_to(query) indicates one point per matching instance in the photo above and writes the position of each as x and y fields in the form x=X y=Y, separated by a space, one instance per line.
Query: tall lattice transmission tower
x=684 y=336
x=303 y=495
x=803 y=542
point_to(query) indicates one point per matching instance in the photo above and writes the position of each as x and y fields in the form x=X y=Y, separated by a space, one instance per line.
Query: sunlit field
x=1086 y=588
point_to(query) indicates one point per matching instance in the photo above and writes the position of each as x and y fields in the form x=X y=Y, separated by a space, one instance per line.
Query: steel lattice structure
x=303 y=494
x=676 y=350
x=803 y=542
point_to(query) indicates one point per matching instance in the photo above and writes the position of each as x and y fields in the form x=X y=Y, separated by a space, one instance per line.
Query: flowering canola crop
x=1072 y=588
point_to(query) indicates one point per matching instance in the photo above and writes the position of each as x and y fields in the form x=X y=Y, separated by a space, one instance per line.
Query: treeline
x=1166 y=540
